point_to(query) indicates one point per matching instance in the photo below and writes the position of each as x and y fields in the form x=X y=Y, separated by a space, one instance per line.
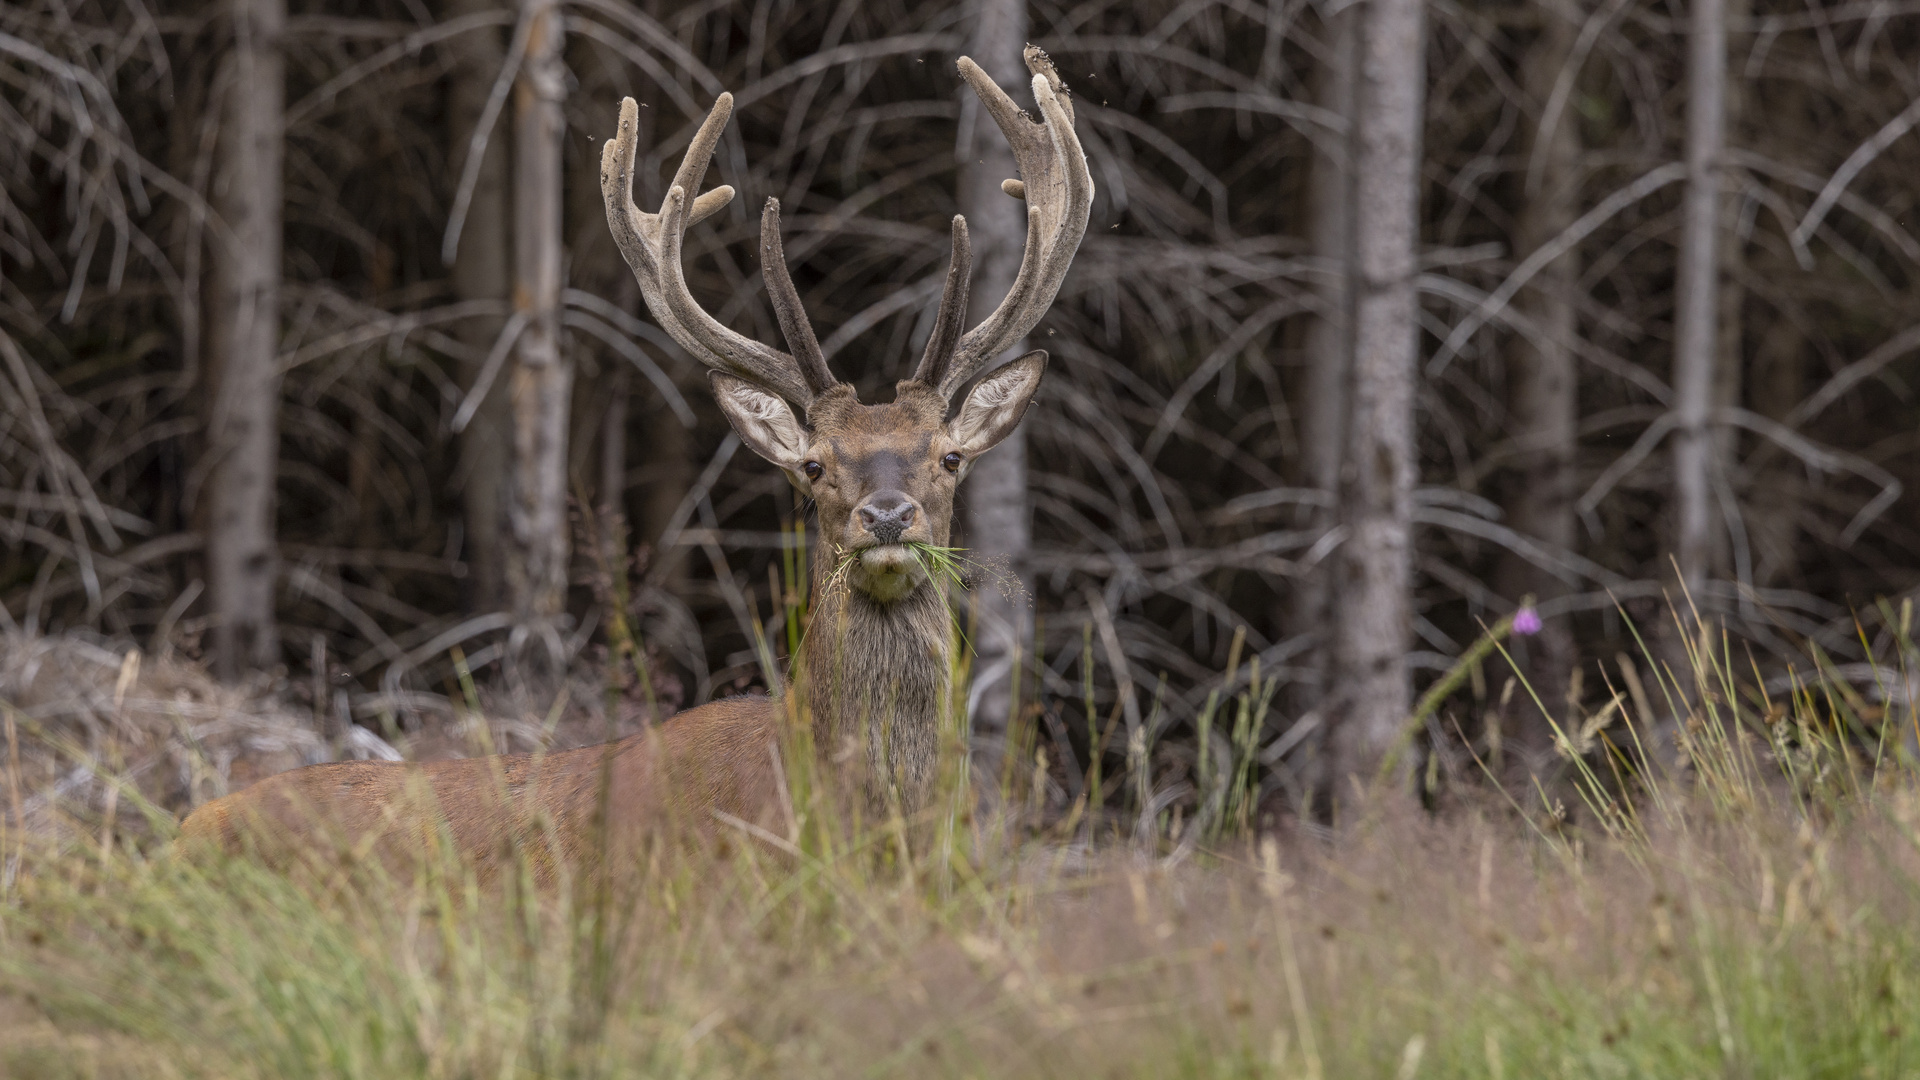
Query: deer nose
x=885 y=515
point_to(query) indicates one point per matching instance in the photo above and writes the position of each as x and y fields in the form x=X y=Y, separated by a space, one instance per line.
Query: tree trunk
x=542 y=385
x=481 y=272
x=1730 y=369
x=1330 y=231
x=1696 y=299
x=1371 y=617
x=243 y=434
x=1329 y=212
x=1543 y=385
x=998 y=515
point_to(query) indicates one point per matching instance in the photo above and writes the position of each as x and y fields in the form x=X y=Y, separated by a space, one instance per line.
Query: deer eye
x=951 y=463
x=812 y=469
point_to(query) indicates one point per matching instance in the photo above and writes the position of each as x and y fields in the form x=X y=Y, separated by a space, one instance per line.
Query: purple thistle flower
x=1526 y=621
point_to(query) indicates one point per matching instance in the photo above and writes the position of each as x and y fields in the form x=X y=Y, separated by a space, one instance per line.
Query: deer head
x=880 y=475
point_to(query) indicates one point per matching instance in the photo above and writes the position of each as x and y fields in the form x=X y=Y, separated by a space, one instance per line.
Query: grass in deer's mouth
x=942 y=565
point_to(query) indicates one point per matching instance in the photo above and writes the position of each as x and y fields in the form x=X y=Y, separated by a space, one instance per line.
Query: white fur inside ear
x=996 y=405
x=763 y=420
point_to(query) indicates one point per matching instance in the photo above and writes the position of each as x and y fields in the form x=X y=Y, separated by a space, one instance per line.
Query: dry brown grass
x=1749 y=920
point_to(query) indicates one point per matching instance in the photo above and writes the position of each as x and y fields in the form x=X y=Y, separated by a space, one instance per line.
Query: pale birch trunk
x=1543 y=385
x=482 y=271
x=997 y=510
x=1323 y=412
x=542 y=385
x=1371 y=613
x=1696 y=302
x=242 y=341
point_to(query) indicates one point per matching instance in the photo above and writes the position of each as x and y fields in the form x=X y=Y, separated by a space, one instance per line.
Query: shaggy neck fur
x=878 y=676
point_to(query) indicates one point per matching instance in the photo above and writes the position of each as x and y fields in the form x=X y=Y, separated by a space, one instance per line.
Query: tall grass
x=1753 y=910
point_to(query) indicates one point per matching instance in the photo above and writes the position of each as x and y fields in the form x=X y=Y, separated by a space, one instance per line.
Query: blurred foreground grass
x=1752 y=911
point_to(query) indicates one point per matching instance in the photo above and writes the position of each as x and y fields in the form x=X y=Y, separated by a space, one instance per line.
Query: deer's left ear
x=995 y=406
x=763 y=420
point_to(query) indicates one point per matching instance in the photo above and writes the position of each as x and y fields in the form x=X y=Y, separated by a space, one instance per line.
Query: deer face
x=881 y=476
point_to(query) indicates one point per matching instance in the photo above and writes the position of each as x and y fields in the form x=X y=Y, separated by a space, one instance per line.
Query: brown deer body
x=875 y=664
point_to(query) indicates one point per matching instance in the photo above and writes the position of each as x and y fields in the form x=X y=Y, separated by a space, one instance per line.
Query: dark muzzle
x=886 y=516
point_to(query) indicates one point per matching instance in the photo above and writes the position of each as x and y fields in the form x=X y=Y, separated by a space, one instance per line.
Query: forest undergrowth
x=1734 y=895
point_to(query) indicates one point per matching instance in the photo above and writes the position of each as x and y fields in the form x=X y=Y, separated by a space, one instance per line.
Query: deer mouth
x=888 y=571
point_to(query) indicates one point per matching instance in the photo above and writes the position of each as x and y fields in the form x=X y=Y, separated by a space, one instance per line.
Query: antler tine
x=935 y=361
x=794 y=324
x=651 y=244
x=1059 y=192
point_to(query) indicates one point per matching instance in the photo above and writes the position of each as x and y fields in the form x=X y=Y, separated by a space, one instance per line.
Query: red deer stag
x=875 y=662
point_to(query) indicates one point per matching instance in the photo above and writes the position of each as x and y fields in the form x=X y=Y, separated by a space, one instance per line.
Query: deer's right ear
x=764 y=421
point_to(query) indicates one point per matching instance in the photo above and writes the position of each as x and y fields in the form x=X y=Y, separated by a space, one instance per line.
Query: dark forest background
x=231 y=285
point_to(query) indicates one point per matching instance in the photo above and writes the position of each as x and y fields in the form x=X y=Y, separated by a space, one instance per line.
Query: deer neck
x=878 y=676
